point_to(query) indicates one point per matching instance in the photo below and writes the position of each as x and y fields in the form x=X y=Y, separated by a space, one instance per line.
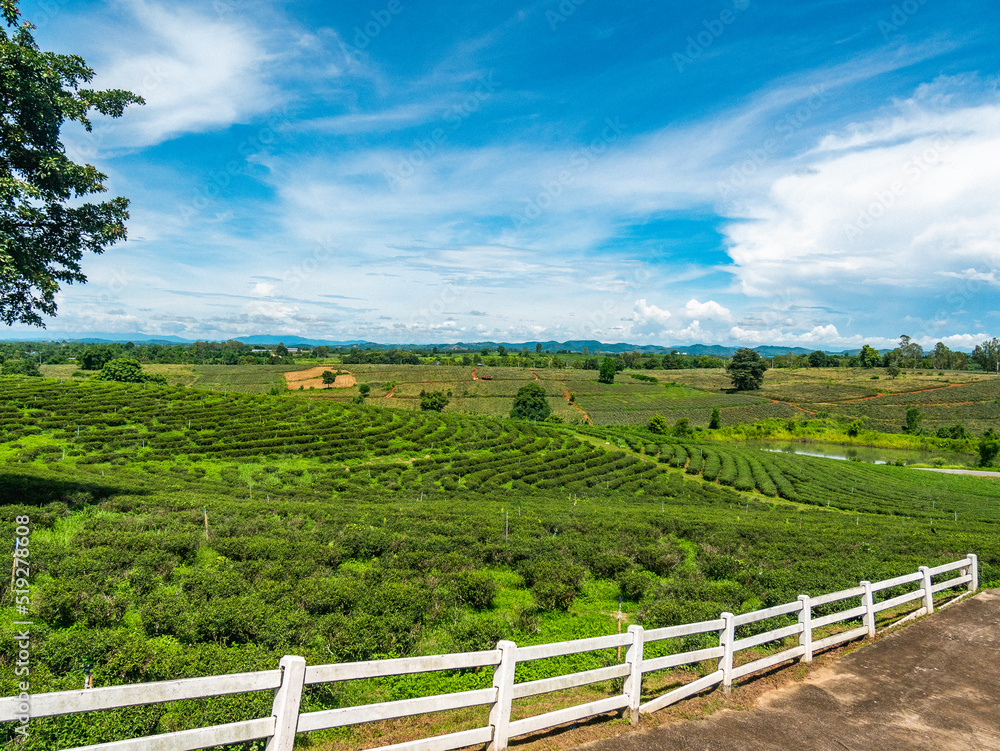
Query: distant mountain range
x=291 y=340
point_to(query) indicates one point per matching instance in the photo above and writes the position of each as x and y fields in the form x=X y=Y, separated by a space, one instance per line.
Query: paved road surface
x=931 y=686
x=971 y=472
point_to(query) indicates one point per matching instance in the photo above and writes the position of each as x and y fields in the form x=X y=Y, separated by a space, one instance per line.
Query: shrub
x=989 y=448
x=658 y=424
x=477 y=589
x=433 y=401
x=127 y=370
x=530 y=403
x=21 y=367
x=633 y=585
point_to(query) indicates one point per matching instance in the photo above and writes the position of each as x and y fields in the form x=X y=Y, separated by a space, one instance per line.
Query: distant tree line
x=378 y=357
x=24 y=357
x=96 y=356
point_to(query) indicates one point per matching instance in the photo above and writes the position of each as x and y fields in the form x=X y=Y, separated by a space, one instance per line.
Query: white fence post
x=287 y=698
x=503 y=682
x=726 y=638
x=633 y=681
x=867 y=599
x=928 y=595
x=974 y=571
x=806 y=637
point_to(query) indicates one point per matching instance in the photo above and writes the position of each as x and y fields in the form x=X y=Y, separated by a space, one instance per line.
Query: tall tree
x=631 y=359
x=987 y=354
x=941 y=356
x=433 y=401
x=607 y=371
x=869 y=357
x=44 y=226
x=530 y=403
x=817 y=359
x=746 y=370
x=910 y=353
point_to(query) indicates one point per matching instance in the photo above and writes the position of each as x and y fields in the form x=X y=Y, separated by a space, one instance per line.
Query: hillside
x=179 y=532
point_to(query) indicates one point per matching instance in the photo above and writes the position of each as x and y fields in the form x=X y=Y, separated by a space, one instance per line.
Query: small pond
x=870 y=454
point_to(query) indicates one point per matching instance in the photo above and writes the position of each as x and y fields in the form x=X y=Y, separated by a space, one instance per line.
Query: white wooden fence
x=293 y=674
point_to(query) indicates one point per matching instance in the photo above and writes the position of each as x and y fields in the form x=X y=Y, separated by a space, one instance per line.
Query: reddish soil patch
x=535 y=375
x=313 y=379
x=575 y=405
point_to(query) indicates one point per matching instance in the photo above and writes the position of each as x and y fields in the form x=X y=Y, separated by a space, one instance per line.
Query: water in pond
x=870 y=454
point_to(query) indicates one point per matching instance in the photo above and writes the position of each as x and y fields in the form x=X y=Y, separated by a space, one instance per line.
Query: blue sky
x=820 y=173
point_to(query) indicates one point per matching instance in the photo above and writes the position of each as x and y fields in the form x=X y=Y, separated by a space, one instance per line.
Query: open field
x=848 y=393
x=181 y=532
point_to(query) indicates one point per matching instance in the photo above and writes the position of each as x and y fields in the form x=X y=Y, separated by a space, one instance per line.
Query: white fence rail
x=293 y=675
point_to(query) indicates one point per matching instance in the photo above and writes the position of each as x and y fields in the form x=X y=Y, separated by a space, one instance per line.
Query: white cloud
x=196 y=70
x=990 y=277
x=893 y=204
x=646 y=313
x=710 y=310
x=818 y=336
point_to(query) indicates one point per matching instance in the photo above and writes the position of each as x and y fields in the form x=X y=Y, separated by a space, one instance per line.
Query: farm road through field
x=931 y=686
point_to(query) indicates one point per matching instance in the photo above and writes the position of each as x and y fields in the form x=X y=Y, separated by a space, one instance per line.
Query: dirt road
x=931 y=686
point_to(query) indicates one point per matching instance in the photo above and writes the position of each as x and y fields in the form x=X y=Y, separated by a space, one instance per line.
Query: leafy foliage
x=658 y=424
x=21 y=367
x=989 y=448
x=433 y=401
x=44 y=229
x=913 y=419
x=746 y=370
x=869 y=357
x=127 y=370
x=348 y=533
x=607 y=371
x=530 y=403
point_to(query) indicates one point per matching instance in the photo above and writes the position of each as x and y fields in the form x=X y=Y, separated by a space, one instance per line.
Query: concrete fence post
x=926 y=584
x=974 y=571
x=503 y=682
x=806 y=637
x=633 y=681
x=868 y=601
x=726 y=638
x=287 y=698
